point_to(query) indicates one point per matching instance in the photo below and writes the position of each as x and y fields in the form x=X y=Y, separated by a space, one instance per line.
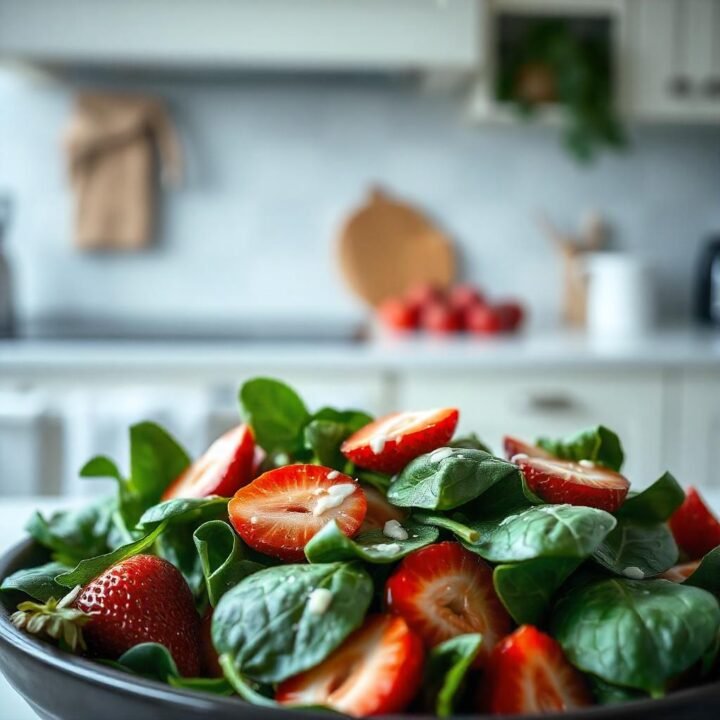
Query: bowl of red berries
x=320 y=560
x=461 y=309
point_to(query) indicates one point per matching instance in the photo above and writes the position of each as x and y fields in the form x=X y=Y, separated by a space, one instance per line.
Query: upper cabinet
x=280 y=34
x=673 y=60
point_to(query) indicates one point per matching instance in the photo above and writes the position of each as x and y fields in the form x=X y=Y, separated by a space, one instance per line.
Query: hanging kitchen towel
x=114 y=144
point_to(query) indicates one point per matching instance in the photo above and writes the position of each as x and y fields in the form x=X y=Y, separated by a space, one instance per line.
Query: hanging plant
x=552 y=64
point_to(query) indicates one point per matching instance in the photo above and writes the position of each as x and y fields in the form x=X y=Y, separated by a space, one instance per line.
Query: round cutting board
x=388 y=247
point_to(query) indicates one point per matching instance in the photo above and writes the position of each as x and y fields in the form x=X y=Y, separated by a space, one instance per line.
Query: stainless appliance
x=708 y=283
x=6 y=305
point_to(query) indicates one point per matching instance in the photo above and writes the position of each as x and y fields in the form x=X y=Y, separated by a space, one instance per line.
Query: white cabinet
x=532 y=404
x=694 y=428
x=296 y=34
x=673 y=60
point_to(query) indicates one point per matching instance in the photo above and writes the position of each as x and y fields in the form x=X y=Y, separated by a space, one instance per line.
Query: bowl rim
x=105 y=676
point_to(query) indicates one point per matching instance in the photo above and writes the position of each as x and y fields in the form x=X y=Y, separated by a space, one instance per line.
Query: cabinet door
x=673 y=60
x=552 y=404
x=696 y=429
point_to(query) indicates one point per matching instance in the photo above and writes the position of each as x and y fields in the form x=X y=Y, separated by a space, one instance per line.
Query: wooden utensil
x=387 y=247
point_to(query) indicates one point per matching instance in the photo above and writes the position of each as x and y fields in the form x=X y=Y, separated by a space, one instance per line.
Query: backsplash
x=274 y=163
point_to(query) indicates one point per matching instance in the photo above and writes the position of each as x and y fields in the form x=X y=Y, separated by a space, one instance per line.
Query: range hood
x=311 y=35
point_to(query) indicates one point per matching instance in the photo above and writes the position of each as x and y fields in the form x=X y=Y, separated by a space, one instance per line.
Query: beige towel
x=113 y=145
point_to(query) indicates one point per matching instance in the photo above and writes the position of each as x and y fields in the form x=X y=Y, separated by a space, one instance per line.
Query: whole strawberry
x=142 y=599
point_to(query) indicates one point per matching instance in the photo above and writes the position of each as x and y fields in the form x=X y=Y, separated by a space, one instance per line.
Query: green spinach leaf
x=447 y=478
x=323 y=438
x=707 y=574
x=268 y=627
x=636 y=633
x=37 y=582
x=87 y=570
x=470 y=442
x=331 y=545
x=445 y=671
x=654 y=504
x=222 y=558
x=352 y=419
x=276 y=414
x=456 y=524
x=527 y=588
x=184 y=510
x=607 y=694
x=596 y=444
x=550 y=531
x=637 y=550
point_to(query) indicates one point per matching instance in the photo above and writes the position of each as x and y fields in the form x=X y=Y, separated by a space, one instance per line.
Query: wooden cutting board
x=387 y=247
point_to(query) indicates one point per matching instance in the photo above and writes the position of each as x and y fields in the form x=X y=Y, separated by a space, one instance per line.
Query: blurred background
x=508 y=205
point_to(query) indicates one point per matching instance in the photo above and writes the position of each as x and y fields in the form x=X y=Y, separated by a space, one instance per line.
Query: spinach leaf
x=222 y=558
x=596 y=444
x=213 y=686
x=455 y=524
x=247 y=689
x=470 y=442
x=331 y=545
x=636 y=633
x=637 y=550
x=607 y=694
x=445 y=671
x=37 y=582
x=268 y=628
x=87 y=570
x=707 y=574
x=276 y=414
x=510 y=495
x=526 y=589
x=654 y=504
x=352 y=419
x=447 y=478
x=74 y=535
x=184 y=509
x=323 y=438
x=377 y=480
x=550 y=531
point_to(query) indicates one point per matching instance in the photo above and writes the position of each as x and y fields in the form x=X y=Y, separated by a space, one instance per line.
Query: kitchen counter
x=678 y=348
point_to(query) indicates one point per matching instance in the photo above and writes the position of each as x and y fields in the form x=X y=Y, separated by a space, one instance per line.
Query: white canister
x=620 y=296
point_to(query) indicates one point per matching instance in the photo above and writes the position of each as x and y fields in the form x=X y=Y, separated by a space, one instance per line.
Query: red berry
x=581 y=483
x=482 y=320
x=142 y=599
x=379 y=511
x=420 y=296
x=280 y=511
x=440 y=318
x=511 y=315
x=695 y=527
x=397 y=314
x=513 y=446
x=388 y=444
x=444 y=590
x=462 y=297
x=224 y=467
x=529 y=673
x=376 y=671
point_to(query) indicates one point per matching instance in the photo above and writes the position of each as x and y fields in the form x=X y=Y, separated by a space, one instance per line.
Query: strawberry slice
x=223 y=468
x=376 y=671
x=514 y=446
x=280 y=511
x=680 y=573
x=390 y=443
x=445 y=590
x=528 y=673
x=695 y=527
x=379 y=510
x=575 y=483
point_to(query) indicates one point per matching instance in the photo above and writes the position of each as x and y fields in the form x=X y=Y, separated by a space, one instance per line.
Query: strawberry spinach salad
x=329 y=560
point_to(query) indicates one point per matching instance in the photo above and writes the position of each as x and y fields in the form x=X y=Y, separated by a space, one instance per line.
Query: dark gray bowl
x=60 y=686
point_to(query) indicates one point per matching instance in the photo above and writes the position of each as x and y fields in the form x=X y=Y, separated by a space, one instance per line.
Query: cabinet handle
x=550 y=403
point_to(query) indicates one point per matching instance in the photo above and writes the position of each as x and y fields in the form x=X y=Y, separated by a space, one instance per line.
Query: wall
x=274 y=163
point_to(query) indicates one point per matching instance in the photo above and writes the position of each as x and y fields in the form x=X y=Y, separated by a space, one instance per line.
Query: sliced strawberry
x=680 y=573
x=528 y=673
x=376 y=671
x=695 y=527
x=379 y=510
x=222 y=469
x=513 y=446
x=445 y=590
x=391 y=442
x=581 y=483
x=280 y=511
x=142 y=599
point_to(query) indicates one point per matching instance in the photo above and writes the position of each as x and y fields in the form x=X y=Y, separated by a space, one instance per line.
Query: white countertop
x=672 y=348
